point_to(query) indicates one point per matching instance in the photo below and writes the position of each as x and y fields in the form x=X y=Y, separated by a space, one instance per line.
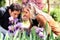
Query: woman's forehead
x=25 y=8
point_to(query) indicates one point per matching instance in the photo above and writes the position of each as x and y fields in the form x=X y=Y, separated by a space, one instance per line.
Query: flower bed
x=32 y=35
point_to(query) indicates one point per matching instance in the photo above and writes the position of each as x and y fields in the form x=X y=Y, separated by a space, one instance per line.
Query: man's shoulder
x=2 y=11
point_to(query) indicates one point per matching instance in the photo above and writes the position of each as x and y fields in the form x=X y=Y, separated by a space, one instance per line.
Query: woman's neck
x=25 y=21
x=26 y=24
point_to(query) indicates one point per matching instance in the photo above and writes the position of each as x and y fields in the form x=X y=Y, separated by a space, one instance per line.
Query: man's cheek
x=11 y=15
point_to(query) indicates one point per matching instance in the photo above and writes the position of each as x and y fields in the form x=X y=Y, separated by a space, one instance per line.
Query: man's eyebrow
x=27 y=9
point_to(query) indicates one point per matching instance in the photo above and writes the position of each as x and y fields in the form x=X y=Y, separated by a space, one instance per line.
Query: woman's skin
x=26 y=17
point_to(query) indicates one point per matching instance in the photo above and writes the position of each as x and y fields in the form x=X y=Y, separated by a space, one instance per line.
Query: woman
x=42 y=18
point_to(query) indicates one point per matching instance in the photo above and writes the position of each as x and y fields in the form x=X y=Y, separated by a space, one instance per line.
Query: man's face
x=25 y=14
x=14 y=13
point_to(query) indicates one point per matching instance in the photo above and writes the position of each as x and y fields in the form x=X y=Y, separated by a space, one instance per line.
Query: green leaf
x=51 y=37
x=33 y=34
x=23 y=35
x=15 y=36
x=45 y=31
x=1 y=36
x=7 y=37
x=19 y=35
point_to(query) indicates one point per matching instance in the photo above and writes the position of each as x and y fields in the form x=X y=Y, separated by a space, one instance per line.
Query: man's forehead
x=16 y=11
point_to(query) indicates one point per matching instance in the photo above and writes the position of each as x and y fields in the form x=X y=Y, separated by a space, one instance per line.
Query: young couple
x=16 y=11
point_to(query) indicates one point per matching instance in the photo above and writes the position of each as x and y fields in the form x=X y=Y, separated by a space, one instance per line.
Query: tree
x=48 y=6
x=2 y=3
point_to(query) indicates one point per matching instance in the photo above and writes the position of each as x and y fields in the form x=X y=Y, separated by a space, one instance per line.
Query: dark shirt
x=34 y=22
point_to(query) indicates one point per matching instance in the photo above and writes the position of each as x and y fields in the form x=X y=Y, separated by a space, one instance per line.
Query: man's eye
x=15 y=14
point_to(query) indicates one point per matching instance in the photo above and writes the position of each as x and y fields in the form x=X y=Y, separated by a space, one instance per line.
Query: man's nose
x=16 y=16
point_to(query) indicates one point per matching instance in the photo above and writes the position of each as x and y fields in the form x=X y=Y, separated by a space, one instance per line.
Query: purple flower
x=39 y=29
x=15 y=20
x=18 y=25
x=9 y=27
x=41 y=35
x=11 y=18
x=10 y=31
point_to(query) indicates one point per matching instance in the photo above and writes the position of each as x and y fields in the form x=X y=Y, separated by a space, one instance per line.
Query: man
x=14 y=11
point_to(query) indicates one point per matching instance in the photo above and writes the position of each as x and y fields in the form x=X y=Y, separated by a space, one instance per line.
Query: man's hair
x=15 y=6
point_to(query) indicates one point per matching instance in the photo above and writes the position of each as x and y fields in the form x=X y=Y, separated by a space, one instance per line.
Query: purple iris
x=10 y=29
x=39 y=30
x=18 y=25
x=13 y=20
x=41 y=35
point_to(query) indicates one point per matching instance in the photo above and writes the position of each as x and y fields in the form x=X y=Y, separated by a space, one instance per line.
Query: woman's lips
x=24 y=16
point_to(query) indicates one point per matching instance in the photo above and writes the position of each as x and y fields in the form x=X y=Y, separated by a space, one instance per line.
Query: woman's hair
x=15 y=6
x=26 y=8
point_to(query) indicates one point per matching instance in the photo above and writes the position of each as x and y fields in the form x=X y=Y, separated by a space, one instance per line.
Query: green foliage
x=45 y=32
x=22 y=35
x=2 y=3
x=56 y=14
x=45 y=10
x=7 y=37
x=57 y=38
x=1 y=36
x=20 y=2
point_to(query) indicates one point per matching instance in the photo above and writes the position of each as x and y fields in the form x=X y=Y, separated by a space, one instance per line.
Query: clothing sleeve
x=1 y=17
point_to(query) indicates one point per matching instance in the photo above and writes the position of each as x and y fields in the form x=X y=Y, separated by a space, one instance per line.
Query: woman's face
x=25 y=14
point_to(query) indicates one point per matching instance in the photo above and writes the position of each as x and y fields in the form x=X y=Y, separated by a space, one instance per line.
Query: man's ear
x=9 y=11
